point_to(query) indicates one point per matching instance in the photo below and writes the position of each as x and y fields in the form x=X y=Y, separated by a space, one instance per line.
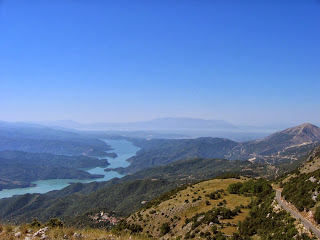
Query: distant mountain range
x=167 y=124
x=286 y=146
x=174 y=128
x=155 y=124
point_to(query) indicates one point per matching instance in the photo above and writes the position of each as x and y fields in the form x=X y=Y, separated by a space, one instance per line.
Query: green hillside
x=17 y=167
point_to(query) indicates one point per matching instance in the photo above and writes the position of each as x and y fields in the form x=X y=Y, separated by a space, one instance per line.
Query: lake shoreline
x=124 y=149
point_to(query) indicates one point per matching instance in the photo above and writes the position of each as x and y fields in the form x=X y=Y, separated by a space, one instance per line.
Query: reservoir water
x=124 y=149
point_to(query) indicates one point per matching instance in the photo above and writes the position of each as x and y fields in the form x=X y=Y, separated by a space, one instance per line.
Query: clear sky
x=89 y=61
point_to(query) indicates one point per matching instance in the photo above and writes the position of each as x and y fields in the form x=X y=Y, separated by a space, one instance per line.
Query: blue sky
x=89 y=61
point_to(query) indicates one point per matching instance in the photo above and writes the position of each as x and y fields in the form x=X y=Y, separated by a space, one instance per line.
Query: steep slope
x=305 y=132
x=193 y=211
x=216 y=209
x=302 y=134
x=286 y=146
x=312 y=163
x=301 y=188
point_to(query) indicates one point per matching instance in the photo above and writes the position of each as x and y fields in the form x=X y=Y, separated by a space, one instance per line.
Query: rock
x=44 y=237
x=77 y=235
x=41 y=232
x=102 y=238
x=200 y=218
x=18 y=234
x=312 y=179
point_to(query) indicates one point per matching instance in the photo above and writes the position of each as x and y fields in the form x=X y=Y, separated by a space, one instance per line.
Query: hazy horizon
x=228 y=126
x=102 y=61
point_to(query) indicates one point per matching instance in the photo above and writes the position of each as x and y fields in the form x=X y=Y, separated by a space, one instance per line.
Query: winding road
x=297 y=215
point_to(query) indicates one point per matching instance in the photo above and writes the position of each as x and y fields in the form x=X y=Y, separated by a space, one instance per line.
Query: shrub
x=54 y=222
x=9 y=228
x=317 y=215
x=164 y=229
x=235 y=188
x=35 y=223
x=152 y=211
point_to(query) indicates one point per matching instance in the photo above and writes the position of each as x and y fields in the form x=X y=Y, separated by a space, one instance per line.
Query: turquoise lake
x=124 y=149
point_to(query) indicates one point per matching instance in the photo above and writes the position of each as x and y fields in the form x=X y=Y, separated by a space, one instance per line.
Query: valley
x=178 y=180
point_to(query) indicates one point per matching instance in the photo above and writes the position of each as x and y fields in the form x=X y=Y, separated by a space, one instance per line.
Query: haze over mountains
x=180 y=127
x=167 y=123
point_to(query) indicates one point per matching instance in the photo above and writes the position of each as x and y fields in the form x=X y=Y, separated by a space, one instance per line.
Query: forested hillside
x=290 y=146
x=302 y=187
x=28 y=167
x=78 y=198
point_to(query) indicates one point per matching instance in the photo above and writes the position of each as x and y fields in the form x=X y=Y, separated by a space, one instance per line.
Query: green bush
x=54 y=222
x=35 y=223
x=235 y=188
x=299 y=190
x=164 y=229
x=317 y=215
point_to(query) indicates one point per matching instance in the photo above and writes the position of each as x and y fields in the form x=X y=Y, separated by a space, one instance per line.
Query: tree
x=235 y=188
x=317 y=215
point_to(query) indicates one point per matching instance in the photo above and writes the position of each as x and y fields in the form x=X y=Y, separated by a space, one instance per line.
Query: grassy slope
x=265 y=220
x=177 y=209
x=7 y=232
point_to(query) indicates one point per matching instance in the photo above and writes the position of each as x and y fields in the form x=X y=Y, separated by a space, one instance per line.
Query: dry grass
x=181 y=206
x=7 y=232
x=311 y=166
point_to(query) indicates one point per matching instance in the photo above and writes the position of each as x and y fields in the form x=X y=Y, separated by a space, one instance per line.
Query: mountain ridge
x=305 y=132
x=279 y=147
